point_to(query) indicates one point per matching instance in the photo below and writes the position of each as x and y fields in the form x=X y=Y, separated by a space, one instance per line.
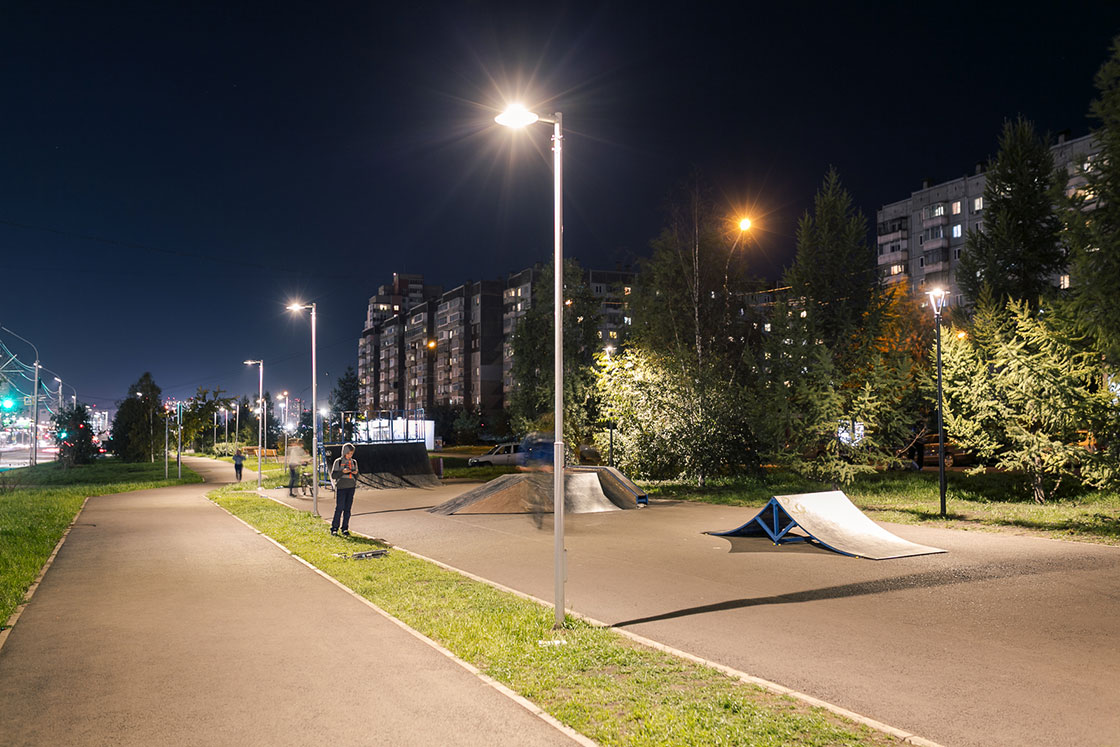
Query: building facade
x=920 y=239
x=422 y=349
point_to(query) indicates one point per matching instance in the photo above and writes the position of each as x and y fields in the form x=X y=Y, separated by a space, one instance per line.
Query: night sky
x=172 y=175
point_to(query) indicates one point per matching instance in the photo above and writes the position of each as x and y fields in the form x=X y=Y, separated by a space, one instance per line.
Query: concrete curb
x=900 y=734
x=528 y=705
x=11 y=621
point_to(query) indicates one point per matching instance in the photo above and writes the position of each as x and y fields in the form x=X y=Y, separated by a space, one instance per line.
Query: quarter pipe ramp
x=828 y=520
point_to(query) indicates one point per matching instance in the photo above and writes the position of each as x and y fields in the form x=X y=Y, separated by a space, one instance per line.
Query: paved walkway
x=1004 y=640
x=164 y=621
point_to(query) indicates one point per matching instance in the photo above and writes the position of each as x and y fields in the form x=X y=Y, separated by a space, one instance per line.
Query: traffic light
x=8 y=404
x=62 y=434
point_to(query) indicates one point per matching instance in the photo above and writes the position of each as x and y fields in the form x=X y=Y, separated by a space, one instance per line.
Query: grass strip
x=38 y=503
x=603 y=685
x=995 y=501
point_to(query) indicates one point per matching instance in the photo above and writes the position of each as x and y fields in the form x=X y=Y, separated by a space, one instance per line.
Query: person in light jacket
x=344 y=473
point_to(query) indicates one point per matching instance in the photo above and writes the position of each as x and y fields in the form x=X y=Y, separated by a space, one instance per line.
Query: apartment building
x=469 y=347
x=517 y=299
x=920 y=238
x=421 y=348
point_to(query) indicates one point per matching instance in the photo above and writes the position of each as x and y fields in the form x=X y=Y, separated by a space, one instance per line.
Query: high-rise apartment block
x=920 y=239
x=422 y=348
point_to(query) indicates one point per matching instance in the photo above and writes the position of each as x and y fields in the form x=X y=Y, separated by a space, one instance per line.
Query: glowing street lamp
x=517 y=116
x=260 y=421
x=315 y=425
x=937 y=302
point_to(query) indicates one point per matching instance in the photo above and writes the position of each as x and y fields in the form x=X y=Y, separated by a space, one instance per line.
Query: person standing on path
x=238 y=462
x=344 y=473
x=296 y=458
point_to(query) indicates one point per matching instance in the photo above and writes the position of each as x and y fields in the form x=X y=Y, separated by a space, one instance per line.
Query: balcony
x=937 y=220
x=930 y=245
x=893 y=236
x=892 y=258
x=935 y=261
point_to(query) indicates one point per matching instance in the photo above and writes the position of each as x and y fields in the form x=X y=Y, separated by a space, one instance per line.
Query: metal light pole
x=34 y=400
x=179 y=438
x=284 y=396
x=297 y=306
x=260 y=421
x=237 y=422
x=166 y=428
x=937 y=301
x=59 y=393
x=518 y=116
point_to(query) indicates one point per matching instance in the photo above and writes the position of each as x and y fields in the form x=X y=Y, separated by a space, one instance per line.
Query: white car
x=501 y=454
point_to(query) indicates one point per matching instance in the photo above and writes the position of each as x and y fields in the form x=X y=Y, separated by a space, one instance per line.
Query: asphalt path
x=165 y=621
x=1004 y=640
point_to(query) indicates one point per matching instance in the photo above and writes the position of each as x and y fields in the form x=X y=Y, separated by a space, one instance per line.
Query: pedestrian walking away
x=296 y=458
x=344 y=473
x=238 y=463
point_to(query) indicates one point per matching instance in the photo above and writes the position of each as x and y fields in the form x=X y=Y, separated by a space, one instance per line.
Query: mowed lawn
x=38 y=503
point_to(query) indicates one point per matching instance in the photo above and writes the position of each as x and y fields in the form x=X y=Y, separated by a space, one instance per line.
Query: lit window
x=957 y=207
x=626 y=290
x=1063 y=282
x=600 y=333
x=977 y=204
x=938 y=210
x=614 y=335
x=804 y=313
x=766 y=327
x=957 y=231
x=627 y=320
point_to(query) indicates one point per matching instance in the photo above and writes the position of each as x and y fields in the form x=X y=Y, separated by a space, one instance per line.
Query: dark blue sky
x=171 y=174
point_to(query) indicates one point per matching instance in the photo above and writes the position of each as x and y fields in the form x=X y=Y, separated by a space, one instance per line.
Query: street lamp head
x=298 y=306
x=432 y=344
x=253 y=363
x=745 y=224
x=516 y=116
x=937 y=300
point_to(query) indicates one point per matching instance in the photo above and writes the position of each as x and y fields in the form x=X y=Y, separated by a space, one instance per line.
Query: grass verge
x=993 y=501
x=598 y=682
x=38 y=503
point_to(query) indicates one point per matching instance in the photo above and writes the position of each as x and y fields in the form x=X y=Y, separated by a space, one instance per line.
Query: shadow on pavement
x=928 y=580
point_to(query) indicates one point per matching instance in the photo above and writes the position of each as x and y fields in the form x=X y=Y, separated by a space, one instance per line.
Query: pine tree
x=1018 y=251
x=1093 y=219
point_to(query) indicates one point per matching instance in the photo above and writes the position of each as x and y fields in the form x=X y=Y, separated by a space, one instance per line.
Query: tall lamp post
x=297 y=306
x=937 y=302
x=260 y=421
x=518 y=116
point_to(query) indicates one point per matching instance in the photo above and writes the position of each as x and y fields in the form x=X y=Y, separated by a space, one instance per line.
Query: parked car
x=510 y=453
x=954 y=455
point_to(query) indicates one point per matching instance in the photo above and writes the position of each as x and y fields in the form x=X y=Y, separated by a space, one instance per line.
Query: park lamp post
x=517 y=116
x=260 y=421
x=937 y=302
x=297 y=306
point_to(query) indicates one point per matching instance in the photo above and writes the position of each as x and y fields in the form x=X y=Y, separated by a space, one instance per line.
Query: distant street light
x=937 y=301
x=260 y=420
x=315 y=422
x=517 y=116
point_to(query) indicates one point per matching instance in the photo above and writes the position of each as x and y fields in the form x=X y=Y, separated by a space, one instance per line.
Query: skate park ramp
x=829 y=520
x=621 y=491
x=400 y=465
x=531 y=493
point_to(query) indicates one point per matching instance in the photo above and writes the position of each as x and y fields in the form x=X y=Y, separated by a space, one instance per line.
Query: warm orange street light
x=745 y=224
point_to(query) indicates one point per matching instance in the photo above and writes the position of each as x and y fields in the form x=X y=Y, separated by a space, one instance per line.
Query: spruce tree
x=1093 y=220
x=834 y=273
x=1018 y=252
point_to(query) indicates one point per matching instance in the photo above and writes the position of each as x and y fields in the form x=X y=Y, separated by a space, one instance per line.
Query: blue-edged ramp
x=828 y=520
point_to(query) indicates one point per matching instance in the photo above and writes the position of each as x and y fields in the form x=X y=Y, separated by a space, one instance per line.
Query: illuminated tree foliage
x=1022 y=391
x=134 y=426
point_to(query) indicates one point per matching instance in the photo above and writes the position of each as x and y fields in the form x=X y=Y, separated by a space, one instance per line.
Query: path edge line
x=486 y=679
x=14 y=617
